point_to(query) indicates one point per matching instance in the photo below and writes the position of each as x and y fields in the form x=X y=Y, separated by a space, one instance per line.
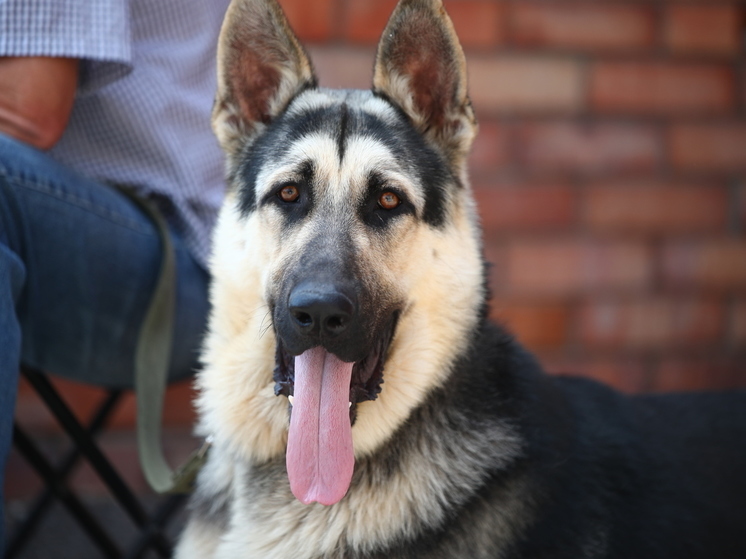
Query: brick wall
x=610 y=170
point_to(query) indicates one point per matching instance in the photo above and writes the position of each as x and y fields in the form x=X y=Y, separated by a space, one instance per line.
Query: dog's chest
x=267 y=521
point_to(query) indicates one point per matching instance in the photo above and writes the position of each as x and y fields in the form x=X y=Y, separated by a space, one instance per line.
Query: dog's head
x=347 y=269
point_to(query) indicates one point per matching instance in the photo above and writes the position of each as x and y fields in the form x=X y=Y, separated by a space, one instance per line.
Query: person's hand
x=36 y=98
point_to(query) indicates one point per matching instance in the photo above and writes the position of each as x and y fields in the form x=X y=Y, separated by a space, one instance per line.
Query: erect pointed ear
x=420 y=66
x=261 y=67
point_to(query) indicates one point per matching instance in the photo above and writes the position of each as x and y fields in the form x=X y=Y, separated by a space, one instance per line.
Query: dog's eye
x=289 y=193
x=389 y=201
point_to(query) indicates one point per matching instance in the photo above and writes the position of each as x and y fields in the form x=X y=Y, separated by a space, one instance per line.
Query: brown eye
x=388 y=201
x=289 y=193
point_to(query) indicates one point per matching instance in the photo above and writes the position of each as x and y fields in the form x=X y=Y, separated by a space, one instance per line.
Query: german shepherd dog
x=360 y=404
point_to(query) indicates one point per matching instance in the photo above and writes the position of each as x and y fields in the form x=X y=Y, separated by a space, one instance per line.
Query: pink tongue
x=320 y=459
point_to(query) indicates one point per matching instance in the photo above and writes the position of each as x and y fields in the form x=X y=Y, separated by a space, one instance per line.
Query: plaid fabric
x=141 y=116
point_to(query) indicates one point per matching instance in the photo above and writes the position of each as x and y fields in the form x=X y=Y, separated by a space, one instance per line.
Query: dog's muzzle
x=331 y=351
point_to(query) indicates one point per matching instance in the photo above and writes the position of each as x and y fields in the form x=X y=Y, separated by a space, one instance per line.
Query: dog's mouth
x=324 y=392
x=366 y=375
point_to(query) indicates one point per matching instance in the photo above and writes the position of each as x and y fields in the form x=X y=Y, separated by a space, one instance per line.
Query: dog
x=359 y=402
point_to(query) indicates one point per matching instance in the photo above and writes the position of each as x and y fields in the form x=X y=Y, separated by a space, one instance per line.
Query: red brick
x=343 y=67
x=478 y=23
x=704 y=373
x=716 y=264
x=708 y=147
x=628 y=374
x=21 y=482
x=31 y=411
x=537 y=326
x=526 y=206
x=584 y=26
x=635 y=87
x=588 y=148
x=574 y=267
x=364 y=20
x=703 y=29
x=538 y=84
x=83 y=400
x=738 y=323
x=631 y=206
x=312 y=21
x=648 y=324
x=490 y=149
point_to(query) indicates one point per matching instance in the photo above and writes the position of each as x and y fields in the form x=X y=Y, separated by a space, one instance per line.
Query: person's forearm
x=17 y=126
x=36 y=98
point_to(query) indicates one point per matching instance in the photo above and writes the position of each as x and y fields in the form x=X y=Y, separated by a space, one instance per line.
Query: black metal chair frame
x=151 y=526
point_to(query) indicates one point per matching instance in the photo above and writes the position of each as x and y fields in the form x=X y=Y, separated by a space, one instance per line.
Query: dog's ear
x=261 y=67
x=420 y=66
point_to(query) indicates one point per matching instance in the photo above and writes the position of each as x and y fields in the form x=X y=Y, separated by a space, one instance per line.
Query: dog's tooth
x=349 y=404
x=290 y=399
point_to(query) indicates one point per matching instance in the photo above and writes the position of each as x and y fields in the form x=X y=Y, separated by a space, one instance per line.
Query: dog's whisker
x=262 y=328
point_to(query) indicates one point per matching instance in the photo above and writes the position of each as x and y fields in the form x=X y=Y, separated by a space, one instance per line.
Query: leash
x=152 y=358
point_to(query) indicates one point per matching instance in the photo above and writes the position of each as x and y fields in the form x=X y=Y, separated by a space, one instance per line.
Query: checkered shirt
x=142 y=110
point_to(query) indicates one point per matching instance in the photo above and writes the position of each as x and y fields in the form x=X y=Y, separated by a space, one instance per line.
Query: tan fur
x=198 y=541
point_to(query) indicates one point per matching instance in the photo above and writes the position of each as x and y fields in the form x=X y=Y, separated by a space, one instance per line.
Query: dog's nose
x=321 y=309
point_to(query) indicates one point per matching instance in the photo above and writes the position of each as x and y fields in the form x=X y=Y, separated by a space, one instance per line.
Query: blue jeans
x=78 y=262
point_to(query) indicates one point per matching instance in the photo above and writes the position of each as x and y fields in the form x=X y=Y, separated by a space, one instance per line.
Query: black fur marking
x=212 y=507
x=410 y=149
x=342 y=137
x=371 y=211
x=300 y=208
x=414 y=154
x=273 y=144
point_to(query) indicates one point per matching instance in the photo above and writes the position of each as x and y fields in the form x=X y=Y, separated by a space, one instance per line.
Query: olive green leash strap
x=152 y=358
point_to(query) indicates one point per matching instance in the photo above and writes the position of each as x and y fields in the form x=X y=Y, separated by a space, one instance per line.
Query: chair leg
x=158 y=522
x=61 y=491
x=96 y=458
x=41 y=505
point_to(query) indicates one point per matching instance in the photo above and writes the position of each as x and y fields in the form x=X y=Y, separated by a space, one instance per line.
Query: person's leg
x=12 y=274
x=78 y=263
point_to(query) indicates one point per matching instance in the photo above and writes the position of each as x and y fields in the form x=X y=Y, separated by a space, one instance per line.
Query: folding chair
x=151 y=367
x=151 y=527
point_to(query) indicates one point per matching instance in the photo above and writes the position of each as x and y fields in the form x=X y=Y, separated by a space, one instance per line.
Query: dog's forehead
x=345 y=134
x=362 y=101
x=345 y=140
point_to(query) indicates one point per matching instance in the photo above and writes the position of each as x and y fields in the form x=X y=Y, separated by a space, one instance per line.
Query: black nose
x=325 y=310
